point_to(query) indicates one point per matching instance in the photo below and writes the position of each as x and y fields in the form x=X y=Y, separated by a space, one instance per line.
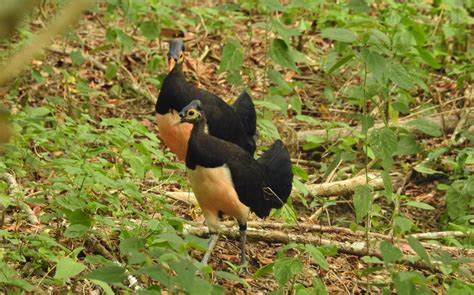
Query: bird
x=236 y=123
x=228 y=180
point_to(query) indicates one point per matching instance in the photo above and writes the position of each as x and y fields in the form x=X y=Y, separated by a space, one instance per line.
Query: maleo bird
x=236 y=123
x=228 y=180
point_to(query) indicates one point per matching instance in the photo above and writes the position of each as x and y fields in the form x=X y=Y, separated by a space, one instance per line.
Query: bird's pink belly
x=175 y=137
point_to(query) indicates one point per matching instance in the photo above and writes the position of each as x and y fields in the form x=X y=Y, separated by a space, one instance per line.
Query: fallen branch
x=451 y=121
x=344 y=187
x=273 y=236
x=308 y=227
x=16 y=193
x=440 y=235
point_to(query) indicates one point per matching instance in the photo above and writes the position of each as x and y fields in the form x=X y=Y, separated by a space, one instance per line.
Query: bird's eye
x=191 y=113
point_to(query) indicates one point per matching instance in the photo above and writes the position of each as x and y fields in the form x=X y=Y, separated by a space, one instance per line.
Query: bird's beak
x=171 y=64
x=182 y=119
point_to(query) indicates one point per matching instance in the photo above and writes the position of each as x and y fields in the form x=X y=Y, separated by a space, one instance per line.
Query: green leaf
x=399 y=75
x=428 y=58
x=390 y=253
x=340 y=63
x=77 y=58
x=67 y=268
x=104 y=286
x=111 y=71
x=362 y=201
x=281 y=54
x=232 y=56
x=358 y=6
x=109 y=274
x=376 y=64
x=419 y=249
x=150 y=30
x=273 y=5
x=232 y=277
x=383 y=142
x=131 y=244
x=76 y=231
x=264 y=270
x=319 y=287
x=422 y=168
x=427 y=127
x=338 y=34
x=378 y=37
x=318 y=257
x=403 y=224
x=419 y=205
x=285 y=268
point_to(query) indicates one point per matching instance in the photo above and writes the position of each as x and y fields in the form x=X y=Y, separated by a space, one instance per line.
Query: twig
x=440 y=235
x=185 y=197
x=16 y=192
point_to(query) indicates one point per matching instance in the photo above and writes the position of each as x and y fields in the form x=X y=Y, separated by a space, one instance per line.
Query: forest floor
x=201 y=67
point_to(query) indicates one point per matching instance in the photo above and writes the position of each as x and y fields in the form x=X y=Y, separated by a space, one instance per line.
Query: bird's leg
x=243 y=241
x=212 y=243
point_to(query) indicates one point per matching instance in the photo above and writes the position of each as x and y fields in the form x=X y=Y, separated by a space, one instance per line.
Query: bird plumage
x=224 y=121
x=225 y=178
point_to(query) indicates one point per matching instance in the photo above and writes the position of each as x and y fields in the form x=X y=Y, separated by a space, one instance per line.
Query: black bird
x=228 y=180
x=236 y=123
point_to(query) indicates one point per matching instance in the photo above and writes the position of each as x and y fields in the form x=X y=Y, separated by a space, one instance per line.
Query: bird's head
x=176 y=53
x=192 y=113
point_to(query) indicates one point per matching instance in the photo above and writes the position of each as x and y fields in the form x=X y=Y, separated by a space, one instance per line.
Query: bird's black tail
x=276 y=164
x=245 y=108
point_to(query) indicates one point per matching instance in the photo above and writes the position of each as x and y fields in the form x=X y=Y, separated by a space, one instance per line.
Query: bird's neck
x=199 y=127
x=175 y=91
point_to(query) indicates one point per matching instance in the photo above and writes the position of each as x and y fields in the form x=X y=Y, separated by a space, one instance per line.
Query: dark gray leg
x=243 y=241
x=212 y=243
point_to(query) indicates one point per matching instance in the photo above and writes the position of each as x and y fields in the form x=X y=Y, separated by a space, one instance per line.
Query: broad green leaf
x=77 y=58
x=339 y=34
x=362 y=201
x=131 y=244
x=67 y=268
x=150 y=30
x=376 y=64
x=340 y=63
x=426 y=127
x=403 y=224
x=285 y=268
x=390 y=253
x=232 y=277
x=273 y=5
x=318 y=257
x=358 y=6
x=76 y=231
x=280 y=52
x=278 y=79
x=407 y=145
x=109 y=274
x=319 y=287
x=428 y=58
x=111 y=71
x=422 y=168
x=419 y=205
x=105 y=287
x=232 y=56
x=378 y=37
x=264 y=270
x=419 y=249
x=399 y=75
x=383 y=142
